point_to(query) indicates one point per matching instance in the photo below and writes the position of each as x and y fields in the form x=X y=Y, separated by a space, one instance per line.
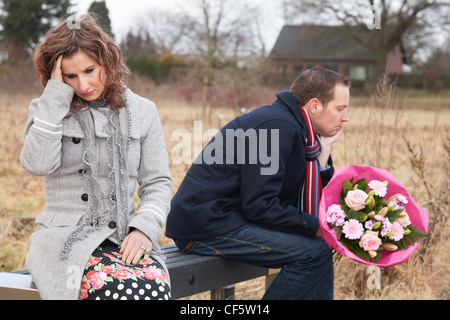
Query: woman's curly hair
x=84 y=34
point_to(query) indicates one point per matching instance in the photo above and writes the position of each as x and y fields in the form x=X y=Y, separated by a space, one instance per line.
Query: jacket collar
x=287 y=101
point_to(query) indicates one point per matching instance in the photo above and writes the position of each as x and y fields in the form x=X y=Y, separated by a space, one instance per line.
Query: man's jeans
x=307 y=264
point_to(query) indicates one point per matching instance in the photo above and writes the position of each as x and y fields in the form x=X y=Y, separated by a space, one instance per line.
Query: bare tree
x=380 y=25
x=138 y=42
x=216 y=37
x=169 y=31
x=230 y=43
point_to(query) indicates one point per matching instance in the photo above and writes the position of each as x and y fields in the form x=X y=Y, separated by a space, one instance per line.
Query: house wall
x=291 y=68
x=348 y=67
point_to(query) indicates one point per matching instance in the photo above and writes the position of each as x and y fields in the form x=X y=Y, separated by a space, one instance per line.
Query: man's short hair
x=317 y=83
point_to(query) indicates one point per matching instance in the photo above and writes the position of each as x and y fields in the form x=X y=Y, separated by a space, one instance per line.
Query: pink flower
x=353 y=229
x=369 y=224
x=85 y=285
x=122 y=267
x=163 y=277
x=403 y=220
x=117 y=254
x=378 y=187
x=137 y=273
x=90 y=274
x=356 y=199
x=151 y=272
x=121 y=274
x=93 y=261
x=385 y=226
x=401 y=199
x=145 y=261
x=396 y=232
x=83 y=294
x=398 y=201
x=106 y=269
x=335 y=215
x=370 y=241
x=113 y=258
x=98 y=280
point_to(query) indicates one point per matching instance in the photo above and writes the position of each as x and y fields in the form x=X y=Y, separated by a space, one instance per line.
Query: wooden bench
x=190 y=274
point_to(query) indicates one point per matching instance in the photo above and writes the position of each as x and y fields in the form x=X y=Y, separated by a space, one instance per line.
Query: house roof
x=317 y=42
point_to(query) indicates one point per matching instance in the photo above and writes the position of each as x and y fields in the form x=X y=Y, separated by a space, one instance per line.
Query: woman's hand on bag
x=135 y=244
x=57 y=70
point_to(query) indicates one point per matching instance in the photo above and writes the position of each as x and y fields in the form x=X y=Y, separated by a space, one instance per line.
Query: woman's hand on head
x=57 y=70
x=135 y=244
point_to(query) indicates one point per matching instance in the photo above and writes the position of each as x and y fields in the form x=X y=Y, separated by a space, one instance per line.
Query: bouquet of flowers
x=367 y=215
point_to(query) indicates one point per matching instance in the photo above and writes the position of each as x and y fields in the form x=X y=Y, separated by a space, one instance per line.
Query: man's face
x=331 y=118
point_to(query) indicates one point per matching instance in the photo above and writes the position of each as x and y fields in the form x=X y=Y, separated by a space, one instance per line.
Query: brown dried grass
x=409 y=139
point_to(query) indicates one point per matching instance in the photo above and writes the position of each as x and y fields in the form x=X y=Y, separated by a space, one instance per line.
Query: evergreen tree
x=24 y=22
x=101 y=12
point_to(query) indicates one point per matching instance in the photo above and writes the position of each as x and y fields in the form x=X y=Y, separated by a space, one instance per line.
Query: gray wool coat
x=53 y=149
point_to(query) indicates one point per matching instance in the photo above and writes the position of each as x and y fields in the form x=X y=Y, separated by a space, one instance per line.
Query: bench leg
x=225 y=293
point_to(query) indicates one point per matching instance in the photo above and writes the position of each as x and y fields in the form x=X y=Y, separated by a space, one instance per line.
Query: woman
x=93 y=139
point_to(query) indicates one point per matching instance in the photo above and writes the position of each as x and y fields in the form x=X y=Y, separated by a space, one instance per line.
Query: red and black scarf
x=311 y=190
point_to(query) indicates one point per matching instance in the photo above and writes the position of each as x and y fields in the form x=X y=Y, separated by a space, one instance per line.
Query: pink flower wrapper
x=331 y=194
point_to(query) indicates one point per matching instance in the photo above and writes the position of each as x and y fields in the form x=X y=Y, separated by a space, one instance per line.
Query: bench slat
x=17 y=286
x=189 y=279
x=190 y=274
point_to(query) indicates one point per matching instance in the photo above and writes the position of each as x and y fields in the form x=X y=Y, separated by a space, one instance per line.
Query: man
x=246 y=194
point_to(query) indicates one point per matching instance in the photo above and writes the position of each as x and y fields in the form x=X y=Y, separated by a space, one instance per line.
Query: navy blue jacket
x=215 y=198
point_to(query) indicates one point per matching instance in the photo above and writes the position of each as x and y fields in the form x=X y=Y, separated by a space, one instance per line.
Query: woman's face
x=84 y=75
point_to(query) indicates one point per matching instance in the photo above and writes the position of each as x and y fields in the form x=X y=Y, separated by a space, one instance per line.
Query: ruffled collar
x=117 y=138
x=99 y=103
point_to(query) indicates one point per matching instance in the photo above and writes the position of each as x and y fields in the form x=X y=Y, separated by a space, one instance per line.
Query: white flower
x=378 y=187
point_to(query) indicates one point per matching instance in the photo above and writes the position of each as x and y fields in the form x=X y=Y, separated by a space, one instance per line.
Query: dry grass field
x=403 y=132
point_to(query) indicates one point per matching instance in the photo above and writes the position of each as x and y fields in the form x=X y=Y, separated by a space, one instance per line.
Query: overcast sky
x=124 y=14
